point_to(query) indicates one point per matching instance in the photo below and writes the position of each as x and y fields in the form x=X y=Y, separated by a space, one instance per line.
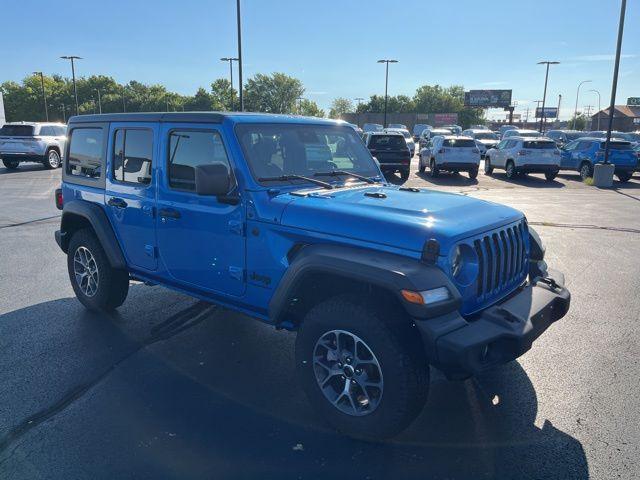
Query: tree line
x=272 y=93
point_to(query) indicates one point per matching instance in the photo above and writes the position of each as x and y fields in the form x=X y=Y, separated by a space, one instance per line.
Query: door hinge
x=237 y=227
x=237 y=273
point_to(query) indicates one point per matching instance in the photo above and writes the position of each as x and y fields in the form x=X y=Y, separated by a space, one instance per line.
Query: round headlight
x=464 y=264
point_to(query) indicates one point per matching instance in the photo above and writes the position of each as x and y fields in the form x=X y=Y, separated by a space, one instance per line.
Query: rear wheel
x=488 y=168
x=473 y=173
x=404 y=174
x=95 y=282
x=550 y=176
x=511 y=170
x=52 y=159
x=11 y=164
x=421 y=167
x=586 y=171
x=362 y=367
x=624 y=177
x=434 y=171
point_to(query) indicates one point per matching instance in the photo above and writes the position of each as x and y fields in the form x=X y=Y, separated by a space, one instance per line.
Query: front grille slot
x=501 y=259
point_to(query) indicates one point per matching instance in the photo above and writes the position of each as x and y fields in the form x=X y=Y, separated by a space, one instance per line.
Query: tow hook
x=548 y=281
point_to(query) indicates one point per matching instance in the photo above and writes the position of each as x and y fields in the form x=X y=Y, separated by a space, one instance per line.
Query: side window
x=189 y=149
x=584 y=145
x=571 y=146
x=46 y=131
x=59 y=131
x=132 y=154
x=85 y=152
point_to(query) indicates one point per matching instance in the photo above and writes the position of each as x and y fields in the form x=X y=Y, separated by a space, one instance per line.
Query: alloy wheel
x=85 y=269
x=54 y=159
x=348 y=372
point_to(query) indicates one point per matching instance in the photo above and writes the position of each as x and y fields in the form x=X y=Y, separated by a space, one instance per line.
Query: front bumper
x=498 y=334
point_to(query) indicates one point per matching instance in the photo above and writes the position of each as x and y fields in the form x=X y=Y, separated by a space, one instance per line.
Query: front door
x=130 y=191
x=200 y=238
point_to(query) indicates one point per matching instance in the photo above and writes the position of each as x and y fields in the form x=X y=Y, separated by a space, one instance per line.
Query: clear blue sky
x=333 y=45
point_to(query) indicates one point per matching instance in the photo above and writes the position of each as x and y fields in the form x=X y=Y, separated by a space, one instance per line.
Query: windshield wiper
x=335 y=173
x=284 y=178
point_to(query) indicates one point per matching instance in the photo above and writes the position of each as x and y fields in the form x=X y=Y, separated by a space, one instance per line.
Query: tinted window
x=16 y=131
x=584 y=145
x=458 y=142
x=485 y=136
x=59 y=131
x=132 y=156
x=189 y=149
x=573 y=135
x=387 y=141
x=617 y=145
x=46 y=132
x=540 y=145
x=85 y=152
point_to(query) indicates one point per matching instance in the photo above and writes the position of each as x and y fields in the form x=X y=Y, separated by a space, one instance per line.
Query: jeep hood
x=391 y=216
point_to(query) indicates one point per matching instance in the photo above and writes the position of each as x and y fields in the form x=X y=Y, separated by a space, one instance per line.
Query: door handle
x=169 y=213
x=117 y=202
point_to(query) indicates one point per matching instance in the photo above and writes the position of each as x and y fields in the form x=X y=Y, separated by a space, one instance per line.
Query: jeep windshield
x=287 y=153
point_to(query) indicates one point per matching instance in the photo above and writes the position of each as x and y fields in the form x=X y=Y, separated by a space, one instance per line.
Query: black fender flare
x=389 y=271
x=100 y=224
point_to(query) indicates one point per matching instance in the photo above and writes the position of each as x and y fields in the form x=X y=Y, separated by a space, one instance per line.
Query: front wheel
x=511 y=170
x=95 y=282
x=365 y=372
x=586 y=171
x=11 y=164
x=488 y=168
x=53 y=159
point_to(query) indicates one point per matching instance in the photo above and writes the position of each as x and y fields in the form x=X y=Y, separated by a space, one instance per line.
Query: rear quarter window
x=540 y=145
x=86 y=153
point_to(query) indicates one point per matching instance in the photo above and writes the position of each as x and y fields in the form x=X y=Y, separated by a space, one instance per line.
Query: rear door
x=130 y=190
x=622 y=154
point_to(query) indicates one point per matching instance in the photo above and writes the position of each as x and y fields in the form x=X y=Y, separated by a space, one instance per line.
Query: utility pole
x=544 y=95
x=559 y=103
x=99 y=100
x=386 y=85
x=230 y=60
x=614 y=86
x=44 y=95
x=599 y=109
x=73 y=74
x=575 y=112
x=359 y=100
x=588 y=115
x=64 y=115
x=239 y=56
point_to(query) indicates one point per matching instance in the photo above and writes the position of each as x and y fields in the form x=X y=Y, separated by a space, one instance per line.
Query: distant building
x=626 y=118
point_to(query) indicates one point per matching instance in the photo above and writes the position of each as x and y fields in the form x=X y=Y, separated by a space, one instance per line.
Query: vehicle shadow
x=529 y=180
x=24 y=167
x=216 y=395
x=448 y=179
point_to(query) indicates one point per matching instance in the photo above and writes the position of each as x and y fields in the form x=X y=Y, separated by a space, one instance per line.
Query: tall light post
x=544 y=95
x=359 y=100
x=99 y=100
x=575 y=111
x=614 y=86
x=596 y=91
x=230 y=60
x=73 y=74
x=44 y=95
x=64 y=113
x=559 y=103
x=386 y=85
x=239 y=56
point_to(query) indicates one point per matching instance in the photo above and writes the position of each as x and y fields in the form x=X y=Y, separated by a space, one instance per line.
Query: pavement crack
x=587 y=227
x=171 y=327
x=29 y=222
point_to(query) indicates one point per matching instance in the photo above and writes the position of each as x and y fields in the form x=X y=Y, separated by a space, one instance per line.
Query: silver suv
x=32 y=142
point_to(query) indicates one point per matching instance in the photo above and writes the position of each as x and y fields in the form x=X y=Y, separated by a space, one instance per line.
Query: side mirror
x=213 y=179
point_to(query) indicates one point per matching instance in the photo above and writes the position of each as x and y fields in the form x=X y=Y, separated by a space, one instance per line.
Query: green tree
x=275 y=93
x=202 y=101
x=397 y=104
x=339 y=107
x=579 y=122
x=223 y=96
x=309 y=108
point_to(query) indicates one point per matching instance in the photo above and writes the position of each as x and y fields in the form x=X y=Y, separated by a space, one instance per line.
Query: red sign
x=445 y=119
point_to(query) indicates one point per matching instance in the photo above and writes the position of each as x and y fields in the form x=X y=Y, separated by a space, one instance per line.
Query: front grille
x=502 y=259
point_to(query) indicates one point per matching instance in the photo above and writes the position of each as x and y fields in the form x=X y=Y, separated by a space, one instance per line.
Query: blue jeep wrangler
x=289 y=220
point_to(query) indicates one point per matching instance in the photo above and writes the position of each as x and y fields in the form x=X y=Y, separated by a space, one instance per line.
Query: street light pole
x=544 y=95
x=598 y=127
x=239 y=57
x=358 y=100
x=614 y=86
x=230 y=60
x=44 y=95
x=64 y=116
x=386 y=85
x=73 y=74
x=99 y=100
x=575 y=111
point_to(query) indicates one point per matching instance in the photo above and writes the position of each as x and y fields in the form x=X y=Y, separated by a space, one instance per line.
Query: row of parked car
x=516 y=151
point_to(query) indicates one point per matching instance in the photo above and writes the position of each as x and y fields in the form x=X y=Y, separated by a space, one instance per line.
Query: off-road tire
x=398 y=349
x=113 y=284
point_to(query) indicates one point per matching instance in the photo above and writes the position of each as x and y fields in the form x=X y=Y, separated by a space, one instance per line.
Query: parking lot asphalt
x=170 y=387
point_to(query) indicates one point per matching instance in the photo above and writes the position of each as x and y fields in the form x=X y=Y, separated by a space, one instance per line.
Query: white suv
x=32 y=142
x=524 y=155
x=452 y=153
